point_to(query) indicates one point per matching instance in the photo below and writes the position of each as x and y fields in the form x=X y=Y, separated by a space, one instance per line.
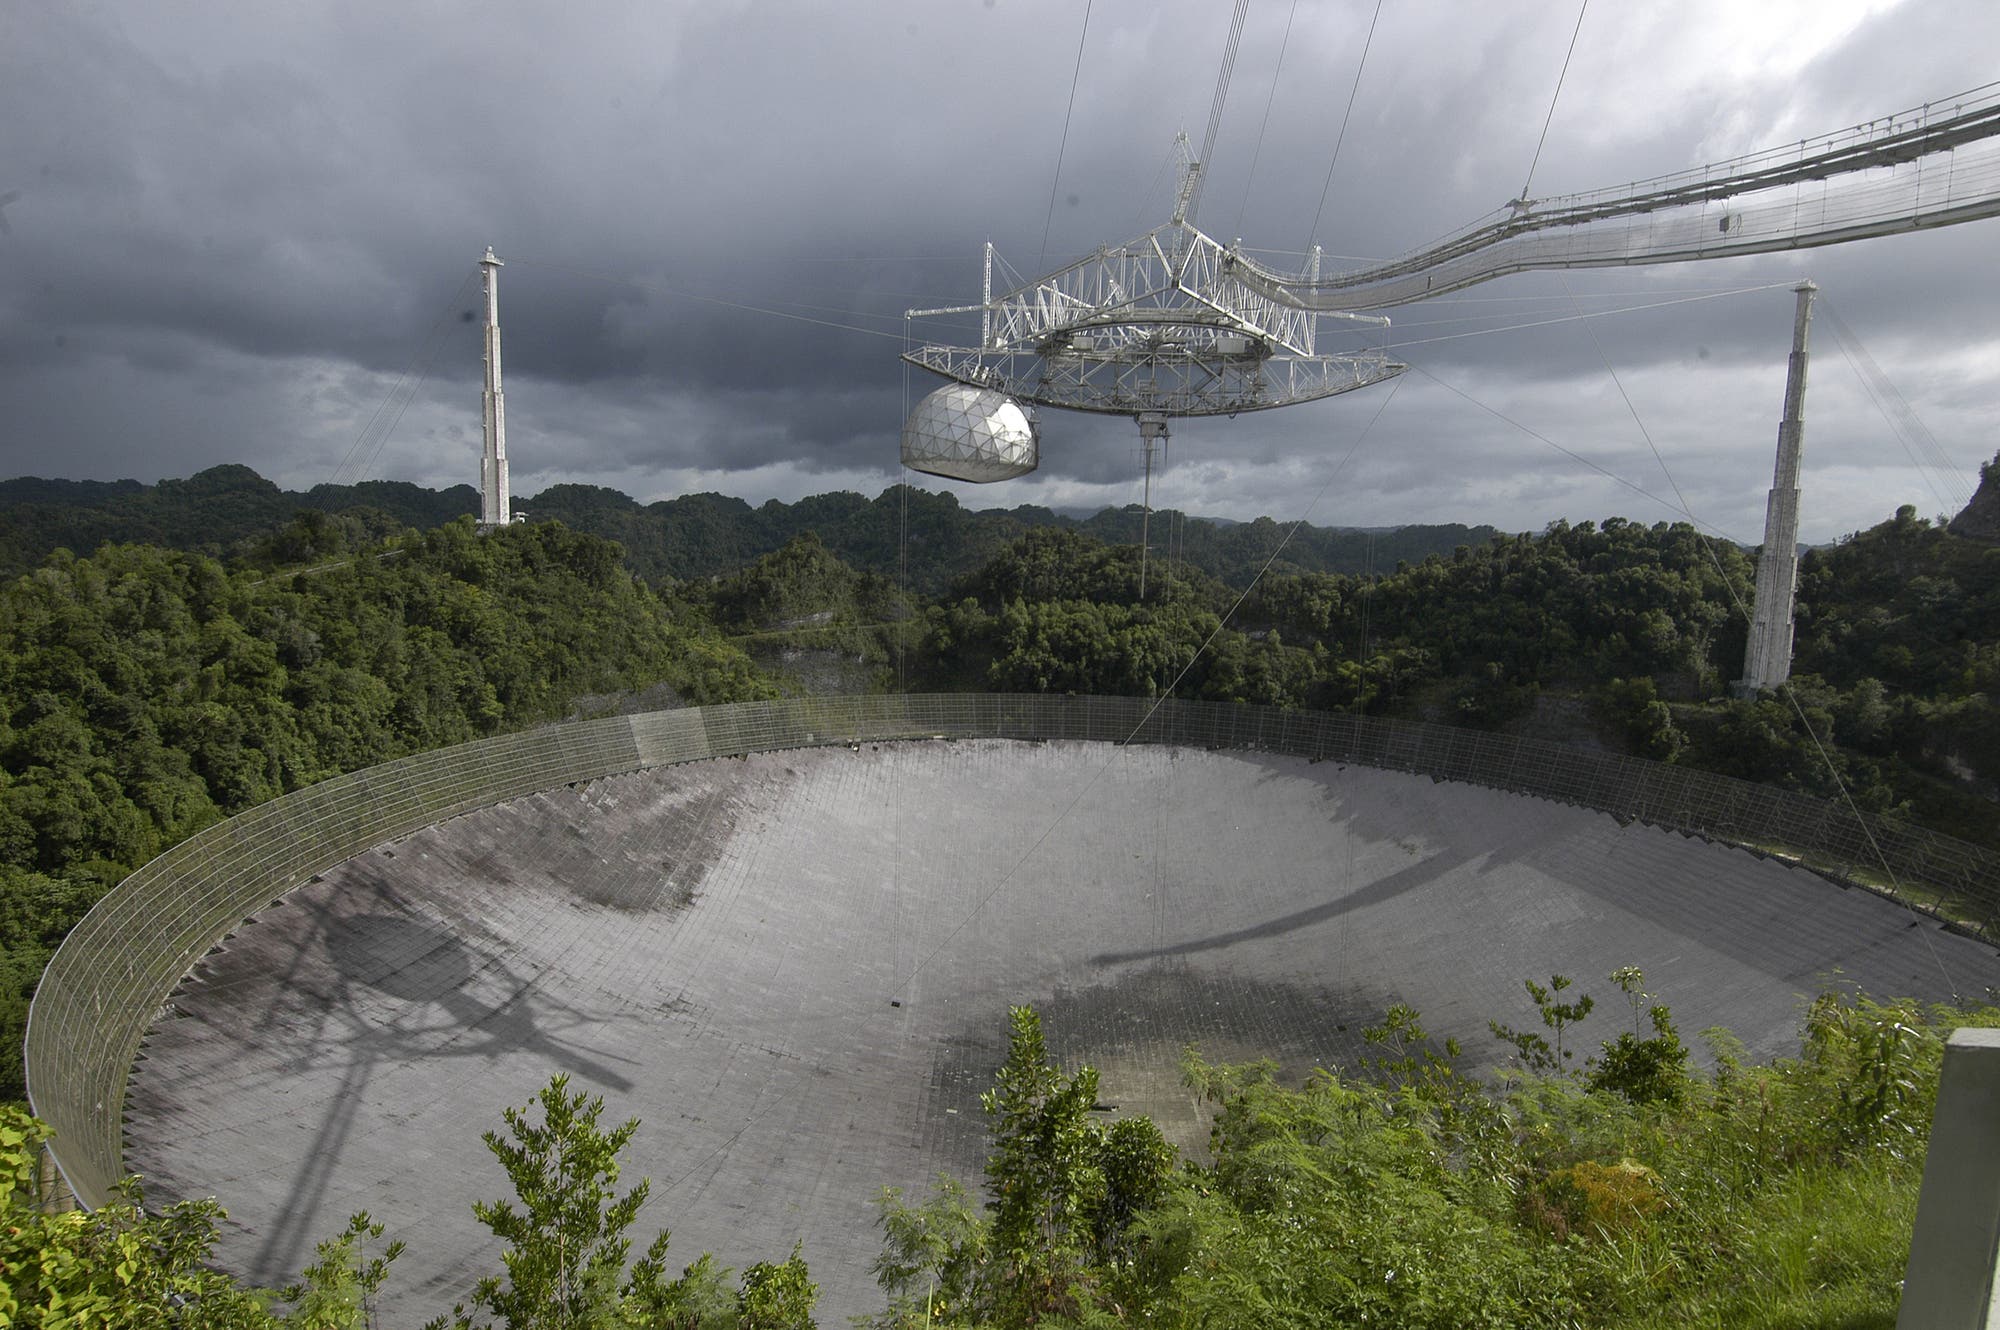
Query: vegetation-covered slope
x=146 y=693
x=1470 y=638
x=208 y=512
x=908 y=534
x=1401 y=1193
x=1628 y=636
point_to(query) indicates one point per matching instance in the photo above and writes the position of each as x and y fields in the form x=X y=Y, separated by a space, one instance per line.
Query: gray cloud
x=234 y=229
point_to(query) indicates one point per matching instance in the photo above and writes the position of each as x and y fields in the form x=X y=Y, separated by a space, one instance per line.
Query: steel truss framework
x=1184 y=372
x=1163 y=324
x=1174 y=323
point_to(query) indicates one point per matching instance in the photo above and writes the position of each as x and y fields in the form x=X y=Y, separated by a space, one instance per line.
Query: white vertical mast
x=494 y=509
x=1767 y=659
x=986 y=303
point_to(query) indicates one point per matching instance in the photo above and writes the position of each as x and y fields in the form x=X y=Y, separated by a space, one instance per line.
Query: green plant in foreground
x=1634 y=1192
x=1537 y=1053
x=121 y=1267
x=567 y=1262
x=1645 y=1070
x=566 y=1250
x=338 y=1289
x=1067 y=1191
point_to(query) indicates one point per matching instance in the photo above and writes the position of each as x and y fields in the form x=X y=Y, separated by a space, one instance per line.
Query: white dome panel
x=968 y=433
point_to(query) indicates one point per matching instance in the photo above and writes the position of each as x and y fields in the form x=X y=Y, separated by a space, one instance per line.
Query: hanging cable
x=1576 y=457
x=1632 y=409
x=1341 y=137
x=1062 y=148
x=1148 y=208
x=359 y=460
x=678 y=294
x=1264 y=124
x=903 y=626
x=1743 y=609
x=1215 y=107
x=1580 y=317
x=1536 y=159
x=1367 y=601
x=1221 y=623
x=903 y=531
x=1935 y=465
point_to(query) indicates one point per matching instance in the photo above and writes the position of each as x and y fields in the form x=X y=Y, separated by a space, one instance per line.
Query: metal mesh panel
x=109 y=979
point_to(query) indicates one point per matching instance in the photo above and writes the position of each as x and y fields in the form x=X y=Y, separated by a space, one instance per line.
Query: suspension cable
x=1222 y=622
x=1550 y=118
x=623 y=279
x=1265 y=123
x=1935 y=464
x=1582 y=316
x=1215 y=106
x=1790 y=695
x=361 y=455
x=903 y=531
x=1062 y=148
x=1345 y=115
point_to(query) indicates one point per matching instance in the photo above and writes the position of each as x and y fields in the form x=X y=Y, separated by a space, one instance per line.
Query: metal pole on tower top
x=494 y=508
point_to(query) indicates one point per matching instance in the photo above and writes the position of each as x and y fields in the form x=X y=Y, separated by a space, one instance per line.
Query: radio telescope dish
x=965 y=432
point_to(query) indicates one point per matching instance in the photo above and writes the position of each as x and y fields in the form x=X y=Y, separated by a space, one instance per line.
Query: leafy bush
x=124 y=1266
x=1628 y=1192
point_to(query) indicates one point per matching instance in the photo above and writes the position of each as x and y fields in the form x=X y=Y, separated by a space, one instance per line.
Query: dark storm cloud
x=231 y=230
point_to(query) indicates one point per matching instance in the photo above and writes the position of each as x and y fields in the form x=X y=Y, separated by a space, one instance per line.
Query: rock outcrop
x=1980 y=519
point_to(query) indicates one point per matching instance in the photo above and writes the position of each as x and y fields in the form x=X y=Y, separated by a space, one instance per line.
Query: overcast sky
x=227 y=231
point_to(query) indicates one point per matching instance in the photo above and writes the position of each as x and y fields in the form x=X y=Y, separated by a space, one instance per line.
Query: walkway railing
x=113 y=974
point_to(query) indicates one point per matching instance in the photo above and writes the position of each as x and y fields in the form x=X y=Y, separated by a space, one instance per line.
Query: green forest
x=1614 y=635
x=170 y=655
x=146 y=693
x=927 y=538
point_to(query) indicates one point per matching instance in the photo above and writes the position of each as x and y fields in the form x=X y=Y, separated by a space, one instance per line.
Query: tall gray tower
x=494 y=509
x=1767 y=660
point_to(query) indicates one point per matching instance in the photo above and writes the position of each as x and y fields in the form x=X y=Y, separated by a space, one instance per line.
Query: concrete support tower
x=494 y=509
x=1767 y=661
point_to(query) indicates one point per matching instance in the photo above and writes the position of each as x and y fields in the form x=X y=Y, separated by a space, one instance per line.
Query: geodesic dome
x=969 y=433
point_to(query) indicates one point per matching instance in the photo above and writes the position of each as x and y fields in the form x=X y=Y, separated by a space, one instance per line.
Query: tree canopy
x=146 y=693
